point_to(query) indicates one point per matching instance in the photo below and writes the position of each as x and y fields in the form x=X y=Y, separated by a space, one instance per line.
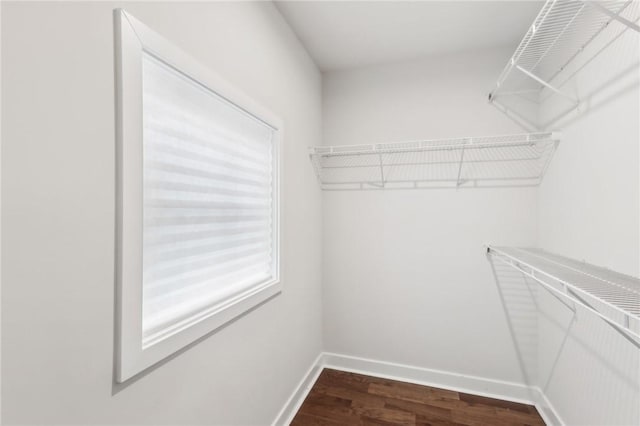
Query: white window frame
x=132 y=38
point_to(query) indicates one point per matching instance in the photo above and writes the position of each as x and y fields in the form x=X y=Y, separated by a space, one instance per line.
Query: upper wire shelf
x=560 y=32
x=612 y=296
x=508 y=160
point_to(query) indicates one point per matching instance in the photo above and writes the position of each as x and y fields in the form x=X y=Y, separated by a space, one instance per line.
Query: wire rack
x=508 y=160
x=560 y=32
x=612 y=296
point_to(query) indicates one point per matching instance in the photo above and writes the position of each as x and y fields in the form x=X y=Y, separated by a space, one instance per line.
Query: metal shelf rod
x=452 y=147
x=437 y=180
x=549 y=86
x=509 y=160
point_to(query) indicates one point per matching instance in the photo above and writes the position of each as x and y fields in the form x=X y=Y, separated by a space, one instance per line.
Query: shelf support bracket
x=544 y=83
x=460 y=166
x=512 y=330
x=613 y=15
x=381 y=170
x=518 y=92
x=572 y=307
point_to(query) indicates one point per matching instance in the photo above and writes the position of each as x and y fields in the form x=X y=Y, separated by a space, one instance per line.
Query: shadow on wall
x=613 y=50
x=591 y=102
x=520 y=303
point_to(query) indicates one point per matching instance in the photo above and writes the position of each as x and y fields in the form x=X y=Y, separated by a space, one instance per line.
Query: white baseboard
x=546 y=410
x=508 y=391
x=436 y=378
x=291 y=407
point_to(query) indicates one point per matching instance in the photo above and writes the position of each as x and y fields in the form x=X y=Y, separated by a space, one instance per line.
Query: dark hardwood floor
x=340 y=398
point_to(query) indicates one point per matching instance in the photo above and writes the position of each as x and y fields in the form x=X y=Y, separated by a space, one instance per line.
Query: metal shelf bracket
x=547 y=85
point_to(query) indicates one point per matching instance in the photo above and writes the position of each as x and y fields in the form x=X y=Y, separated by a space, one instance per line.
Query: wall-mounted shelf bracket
x=461 y=162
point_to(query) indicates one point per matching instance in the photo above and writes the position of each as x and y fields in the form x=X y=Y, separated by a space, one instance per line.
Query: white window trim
x=132 y=39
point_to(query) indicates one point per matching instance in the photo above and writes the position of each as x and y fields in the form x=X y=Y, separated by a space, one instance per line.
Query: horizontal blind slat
x=157 y=252
x=160 y=238
x=196 y=139
x=205 y=174
x=168 y=269
x=232 y=163
x=191 y=281
x=159 y=184
x=173 y=204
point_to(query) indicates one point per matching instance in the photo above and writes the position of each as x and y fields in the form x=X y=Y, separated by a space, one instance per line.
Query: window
x=197 y=200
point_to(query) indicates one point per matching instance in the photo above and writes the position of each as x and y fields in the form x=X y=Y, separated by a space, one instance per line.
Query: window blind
x=208 y=205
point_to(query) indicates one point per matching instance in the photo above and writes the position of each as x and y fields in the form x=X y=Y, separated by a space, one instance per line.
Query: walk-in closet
x=322 y=213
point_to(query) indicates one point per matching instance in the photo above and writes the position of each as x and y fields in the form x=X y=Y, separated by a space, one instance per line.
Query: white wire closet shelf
x=489 y=161
x=612 y=296
x=560 y=32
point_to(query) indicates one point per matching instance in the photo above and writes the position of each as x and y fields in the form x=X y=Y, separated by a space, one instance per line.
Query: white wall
x=58 y=177
x=590 y=199
x=406 y=279
x=589 y=209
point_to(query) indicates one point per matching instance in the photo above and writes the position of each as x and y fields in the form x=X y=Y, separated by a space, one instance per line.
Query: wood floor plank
x=303 y=419
x=329 y=400
x=393 y=416
x=342 y=415
x=454 y=405
x=346 y=380
x=519 y=417
x=425 y=410
x=411 y=392
x=475 y=399
x=342 y=398
x=350 y=394
x=429 y=421
x=370 y=421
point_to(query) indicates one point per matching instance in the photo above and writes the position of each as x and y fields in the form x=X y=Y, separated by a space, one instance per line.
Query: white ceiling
x=347 y=34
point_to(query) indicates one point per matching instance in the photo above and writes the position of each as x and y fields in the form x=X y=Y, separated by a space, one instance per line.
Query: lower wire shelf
x=612 y=296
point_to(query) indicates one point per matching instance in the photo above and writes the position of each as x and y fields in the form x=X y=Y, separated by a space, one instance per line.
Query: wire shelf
x=560 y=32
x=508 y=160
x=612 y=296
